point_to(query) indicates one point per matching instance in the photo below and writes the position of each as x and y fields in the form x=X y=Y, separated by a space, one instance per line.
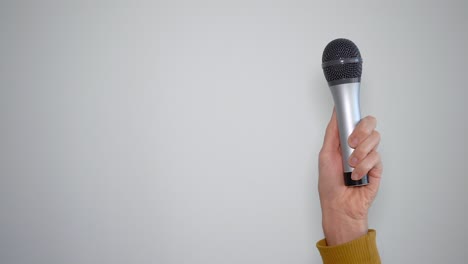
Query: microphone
x=342 y=66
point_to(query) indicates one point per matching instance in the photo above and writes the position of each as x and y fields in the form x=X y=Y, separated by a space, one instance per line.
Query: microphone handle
x=348 y=113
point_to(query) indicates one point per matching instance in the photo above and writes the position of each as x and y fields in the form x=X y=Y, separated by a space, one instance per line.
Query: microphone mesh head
x=341 y=49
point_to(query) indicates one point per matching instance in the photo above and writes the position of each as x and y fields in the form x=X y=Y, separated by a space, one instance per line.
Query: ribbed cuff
x=362 y=250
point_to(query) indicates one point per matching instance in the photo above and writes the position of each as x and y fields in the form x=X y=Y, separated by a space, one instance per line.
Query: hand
x=345 y=209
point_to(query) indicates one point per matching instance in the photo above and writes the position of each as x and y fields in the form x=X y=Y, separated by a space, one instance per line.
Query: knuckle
x=377 y=135
x=364 y=169
x=359 y=153
x=363 y=130
x=376 y=172
x=374 y=160
x=376 y=156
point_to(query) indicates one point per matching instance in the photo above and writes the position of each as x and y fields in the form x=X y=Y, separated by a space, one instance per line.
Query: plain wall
x=188 y=131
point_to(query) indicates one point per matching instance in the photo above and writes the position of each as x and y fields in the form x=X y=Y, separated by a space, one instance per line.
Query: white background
x=188 y=131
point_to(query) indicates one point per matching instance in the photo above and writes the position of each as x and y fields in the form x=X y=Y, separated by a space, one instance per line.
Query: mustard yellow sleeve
x=362 y=250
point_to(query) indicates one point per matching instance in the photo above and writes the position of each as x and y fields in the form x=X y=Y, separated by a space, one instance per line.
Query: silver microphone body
x=348 y=113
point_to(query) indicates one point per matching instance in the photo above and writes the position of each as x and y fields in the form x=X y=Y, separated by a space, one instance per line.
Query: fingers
x=332 y=138
x=363 y=130
x=363 y=149
x=365 y=159
x=371 y=165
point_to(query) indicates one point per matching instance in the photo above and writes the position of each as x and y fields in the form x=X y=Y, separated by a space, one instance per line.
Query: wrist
x=339 y=228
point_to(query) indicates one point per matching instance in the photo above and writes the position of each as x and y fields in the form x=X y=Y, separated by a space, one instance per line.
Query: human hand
x=345 y=209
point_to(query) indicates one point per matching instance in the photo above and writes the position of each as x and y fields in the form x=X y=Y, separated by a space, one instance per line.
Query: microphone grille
x=339 y=49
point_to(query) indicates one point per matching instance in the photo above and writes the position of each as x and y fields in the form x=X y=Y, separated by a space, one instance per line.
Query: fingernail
x=353 y=161
x=354 y=176
x=354 y=142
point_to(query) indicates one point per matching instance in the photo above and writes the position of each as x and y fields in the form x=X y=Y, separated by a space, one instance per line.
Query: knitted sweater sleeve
x=362 y=250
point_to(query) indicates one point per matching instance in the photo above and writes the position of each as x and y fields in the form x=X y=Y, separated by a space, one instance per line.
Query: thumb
x=331 y=142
